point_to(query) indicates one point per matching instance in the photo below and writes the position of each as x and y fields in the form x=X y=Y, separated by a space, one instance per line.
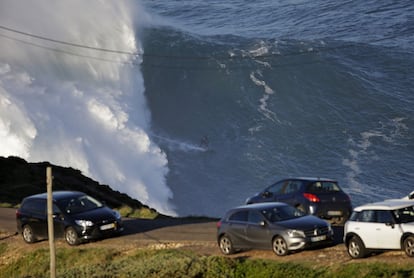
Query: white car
x=387 y=225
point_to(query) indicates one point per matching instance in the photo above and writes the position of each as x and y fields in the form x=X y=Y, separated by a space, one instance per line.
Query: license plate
x=318 y=238
x=107 y=226
x=335 y=213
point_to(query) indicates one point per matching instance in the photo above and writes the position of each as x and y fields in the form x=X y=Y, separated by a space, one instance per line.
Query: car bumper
x=303 y=243
x=99 y=231
x=330 y=213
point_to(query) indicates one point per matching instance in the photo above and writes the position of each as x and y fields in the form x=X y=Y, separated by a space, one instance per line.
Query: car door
x=38 y=219
x=274 y=192
x=375 y=234
x=289 y=192
x=58 y=221
x=257 y=232
x=237 y=224
x=387 y=233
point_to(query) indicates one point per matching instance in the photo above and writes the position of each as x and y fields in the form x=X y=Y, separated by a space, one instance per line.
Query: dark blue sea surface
x=280 y=88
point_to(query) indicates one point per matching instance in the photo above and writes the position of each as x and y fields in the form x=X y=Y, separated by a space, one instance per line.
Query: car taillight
x=311 y=197
x=218 y=224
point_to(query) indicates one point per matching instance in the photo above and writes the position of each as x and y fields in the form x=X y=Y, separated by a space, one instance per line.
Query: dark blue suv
x=76 y=217
x=317 y=196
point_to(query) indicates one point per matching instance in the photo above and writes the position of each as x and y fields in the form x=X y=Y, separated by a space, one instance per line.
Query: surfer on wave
x=204 y=142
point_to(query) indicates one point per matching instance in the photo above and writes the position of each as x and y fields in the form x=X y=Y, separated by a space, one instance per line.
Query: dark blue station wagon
x=76 y=216
x=321 y=197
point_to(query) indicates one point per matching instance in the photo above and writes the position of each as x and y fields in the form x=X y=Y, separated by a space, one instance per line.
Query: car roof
x=310 y=179
x=386 y=205
x=57 y=195
x=261 y=205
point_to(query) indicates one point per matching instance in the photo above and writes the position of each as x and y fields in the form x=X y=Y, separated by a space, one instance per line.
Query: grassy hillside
x=86 y=261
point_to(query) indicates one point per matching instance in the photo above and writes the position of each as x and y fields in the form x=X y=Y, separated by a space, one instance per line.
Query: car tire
x=28 y=234
x=356 y=248
x=226 y=245
x=409 y=246
x=71 y=236
x=279 y=246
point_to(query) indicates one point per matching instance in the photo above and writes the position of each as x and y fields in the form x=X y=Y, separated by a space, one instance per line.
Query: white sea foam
x=77 y=106
x=363 y=149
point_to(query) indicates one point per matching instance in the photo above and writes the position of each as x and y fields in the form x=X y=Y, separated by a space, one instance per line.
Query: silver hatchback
x=276 y=226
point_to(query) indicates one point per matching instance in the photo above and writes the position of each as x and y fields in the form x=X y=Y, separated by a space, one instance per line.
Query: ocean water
x=128 y=92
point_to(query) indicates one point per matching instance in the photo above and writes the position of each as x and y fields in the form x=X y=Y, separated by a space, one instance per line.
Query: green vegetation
x=143 y=212
x=86 y=261
x=7 y=205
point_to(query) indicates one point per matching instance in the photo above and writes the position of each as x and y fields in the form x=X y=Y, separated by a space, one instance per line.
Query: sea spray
x=71 y=92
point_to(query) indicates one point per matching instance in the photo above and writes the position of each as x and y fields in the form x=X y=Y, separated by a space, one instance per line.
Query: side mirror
x=56 y=215
x=267 y=194
x=392 y=225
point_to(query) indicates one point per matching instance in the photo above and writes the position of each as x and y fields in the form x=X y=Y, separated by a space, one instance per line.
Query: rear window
x=373 y=216
x=323 y=187
x=240 y=216
x=37 y=206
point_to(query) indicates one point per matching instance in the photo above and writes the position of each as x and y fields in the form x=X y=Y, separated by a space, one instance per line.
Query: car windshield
x=404 y=215
x=281 y=213
x=79 y=204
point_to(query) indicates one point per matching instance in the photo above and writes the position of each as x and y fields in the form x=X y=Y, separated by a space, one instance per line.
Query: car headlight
x=84 y=223
x=295 y=233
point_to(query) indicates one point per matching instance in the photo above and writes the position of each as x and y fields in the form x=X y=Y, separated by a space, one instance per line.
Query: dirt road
x=195 y=235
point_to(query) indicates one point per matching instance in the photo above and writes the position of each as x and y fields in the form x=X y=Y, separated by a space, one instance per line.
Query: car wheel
x=279 y=246
x=356 y=248
x=28 y=234
x=409 y=246
x=226 y=246
x=71 y=236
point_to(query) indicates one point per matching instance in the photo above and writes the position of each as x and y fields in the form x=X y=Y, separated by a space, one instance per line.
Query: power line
x=70 y=53
x=66 y=43
x=149 y=55
x=181 y=57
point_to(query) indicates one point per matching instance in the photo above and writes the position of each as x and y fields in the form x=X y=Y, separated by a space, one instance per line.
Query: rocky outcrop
x=19 y=178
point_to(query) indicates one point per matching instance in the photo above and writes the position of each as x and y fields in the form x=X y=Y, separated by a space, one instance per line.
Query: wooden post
x=50 y=223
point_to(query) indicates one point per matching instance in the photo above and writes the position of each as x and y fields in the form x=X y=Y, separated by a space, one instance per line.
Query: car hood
x=98 y=214
x=302 y=223
x=256 y=197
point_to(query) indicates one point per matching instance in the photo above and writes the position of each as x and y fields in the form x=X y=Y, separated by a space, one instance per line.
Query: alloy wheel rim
x=410 y=247
x=225 y=245
x=353 y=249
x=27 y=234
x=71 y=237
x=279 y=246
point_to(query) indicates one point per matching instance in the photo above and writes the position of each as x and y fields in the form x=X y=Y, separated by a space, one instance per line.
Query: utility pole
x=50 y=222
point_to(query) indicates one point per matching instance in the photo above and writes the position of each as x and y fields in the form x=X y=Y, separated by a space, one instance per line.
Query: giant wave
x=79 y=106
